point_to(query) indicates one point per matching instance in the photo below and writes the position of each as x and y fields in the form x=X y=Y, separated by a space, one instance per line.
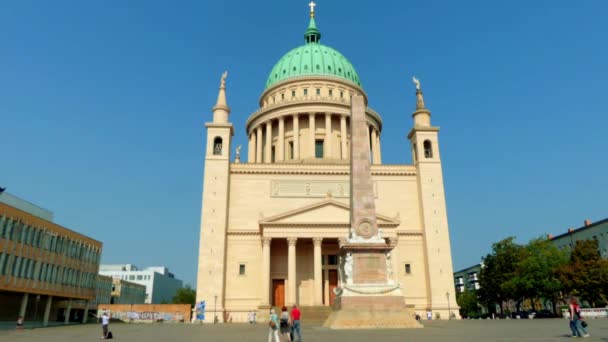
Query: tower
x=433 y=213
x=214 y=213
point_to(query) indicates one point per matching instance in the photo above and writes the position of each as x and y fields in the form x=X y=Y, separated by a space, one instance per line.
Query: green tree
x=498 y=268
x=536 y=274
x=586 y=274
x=469 y=304
x=185 y=295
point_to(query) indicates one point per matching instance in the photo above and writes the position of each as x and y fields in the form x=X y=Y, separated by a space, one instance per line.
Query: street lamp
x=447 y=294
x=215 y=320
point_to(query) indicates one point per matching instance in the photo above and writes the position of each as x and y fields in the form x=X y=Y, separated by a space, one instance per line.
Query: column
x=291 y=270
x=327 y=149
x=379 y=150
x=343 y=137
x=258 y=148
x=67 y=312
x=296 y=137
x=394 y=241
x=374 y=147
x=311 y=135
x=47 y=311
x=268 y=147
x=369 y=146
x=318 y=276
x=86 y=312
x=281 y=143
x=251 y=148
x=23 y=307
x=266 y=271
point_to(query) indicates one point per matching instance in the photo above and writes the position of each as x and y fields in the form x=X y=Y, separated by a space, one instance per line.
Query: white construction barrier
x=591 y=313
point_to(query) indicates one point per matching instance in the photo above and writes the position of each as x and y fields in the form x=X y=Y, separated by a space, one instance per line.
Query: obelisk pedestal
x=368 y=296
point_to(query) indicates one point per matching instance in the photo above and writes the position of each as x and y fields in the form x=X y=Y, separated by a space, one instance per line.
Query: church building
x=272 y=224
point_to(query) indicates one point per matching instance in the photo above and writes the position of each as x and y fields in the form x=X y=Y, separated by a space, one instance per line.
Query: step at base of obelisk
x=371 y=312
x=372 y=319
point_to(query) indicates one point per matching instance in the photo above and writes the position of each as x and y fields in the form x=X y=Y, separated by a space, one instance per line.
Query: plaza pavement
x=434 y=331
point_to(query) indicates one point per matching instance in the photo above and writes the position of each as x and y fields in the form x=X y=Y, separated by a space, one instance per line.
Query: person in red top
x=576 y=319
x=295 y=324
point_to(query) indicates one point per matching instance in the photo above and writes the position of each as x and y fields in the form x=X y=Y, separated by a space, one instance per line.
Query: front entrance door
x=278 y=292
x=333 y=283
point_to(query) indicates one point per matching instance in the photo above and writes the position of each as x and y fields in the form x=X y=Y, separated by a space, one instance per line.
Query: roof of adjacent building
x=585 y=227
x=465 y=270
x=32 y=220
x=23 y=205
x=314 y=59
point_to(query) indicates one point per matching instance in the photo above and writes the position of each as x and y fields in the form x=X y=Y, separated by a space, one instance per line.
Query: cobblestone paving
x=434 y=331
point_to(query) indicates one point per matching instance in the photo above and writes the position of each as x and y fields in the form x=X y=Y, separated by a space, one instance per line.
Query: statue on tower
x=237 y=159
x=419 y=97
x=223 y=80
x=416 y=82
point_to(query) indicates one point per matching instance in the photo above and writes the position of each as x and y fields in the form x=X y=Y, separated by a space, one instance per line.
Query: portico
x=300 y=253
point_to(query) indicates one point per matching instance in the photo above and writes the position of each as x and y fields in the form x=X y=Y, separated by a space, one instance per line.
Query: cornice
x=243 y=232
x=318 y=169
x=409 y=233
x=312 y=78
x=416 y=129
x=333 y=225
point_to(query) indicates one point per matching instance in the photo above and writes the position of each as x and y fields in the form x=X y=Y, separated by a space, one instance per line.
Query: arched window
x=428 y=149
x=217 y=146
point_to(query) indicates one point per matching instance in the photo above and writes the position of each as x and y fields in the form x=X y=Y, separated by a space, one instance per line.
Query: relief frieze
x=312 y=188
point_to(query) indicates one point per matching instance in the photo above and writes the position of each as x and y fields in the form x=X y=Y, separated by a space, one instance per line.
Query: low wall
x=588 y=313
x=147 y=312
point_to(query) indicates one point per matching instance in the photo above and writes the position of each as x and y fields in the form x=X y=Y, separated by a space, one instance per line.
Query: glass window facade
x=45 y=256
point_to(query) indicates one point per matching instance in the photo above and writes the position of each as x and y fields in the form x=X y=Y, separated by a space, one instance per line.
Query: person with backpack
x=576 y=323
x=273 y=327
x=285 y=328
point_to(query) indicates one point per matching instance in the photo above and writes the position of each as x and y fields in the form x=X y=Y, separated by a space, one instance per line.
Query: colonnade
x=291 y=295
x=263 y=150
x=317 y=284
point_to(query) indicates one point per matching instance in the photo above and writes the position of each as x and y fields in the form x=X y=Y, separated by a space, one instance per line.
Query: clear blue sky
x=103 y=104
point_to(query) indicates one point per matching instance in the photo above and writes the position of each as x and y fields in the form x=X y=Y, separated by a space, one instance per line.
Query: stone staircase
x=315 y=314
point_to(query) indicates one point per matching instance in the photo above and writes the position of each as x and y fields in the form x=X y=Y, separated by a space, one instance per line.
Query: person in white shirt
x=105 y=321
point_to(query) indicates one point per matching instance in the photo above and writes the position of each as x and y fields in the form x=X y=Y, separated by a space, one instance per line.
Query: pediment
x=327 y=212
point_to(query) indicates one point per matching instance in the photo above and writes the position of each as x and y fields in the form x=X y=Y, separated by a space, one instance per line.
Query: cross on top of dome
x=312 y=9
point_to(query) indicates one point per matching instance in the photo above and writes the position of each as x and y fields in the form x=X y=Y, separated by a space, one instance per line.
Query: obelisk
x=367 y=297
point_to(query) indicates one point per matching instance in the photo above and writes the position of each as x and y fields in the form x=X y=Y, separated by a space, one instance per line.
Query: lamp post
x=447 y=294
x=215 y=320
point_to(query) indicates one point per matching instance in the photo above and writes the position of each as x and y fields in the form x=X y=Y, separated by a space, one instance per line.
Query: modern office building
x=103 y=291
x=467 y=279
x=43 y=265
x=126 y=292
x=589 y=231
x=161 y=285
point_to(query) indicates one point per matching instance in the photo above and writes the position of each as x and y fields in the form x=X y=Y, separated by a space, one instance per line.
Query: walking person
x=273 y=327
x=576 y=324
x=285 y=329
x=295 y=323
x=105 y=322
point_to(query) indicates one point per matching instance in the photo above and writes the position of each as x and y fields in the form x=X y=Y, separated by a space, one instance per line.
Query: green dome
x=312 y=58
